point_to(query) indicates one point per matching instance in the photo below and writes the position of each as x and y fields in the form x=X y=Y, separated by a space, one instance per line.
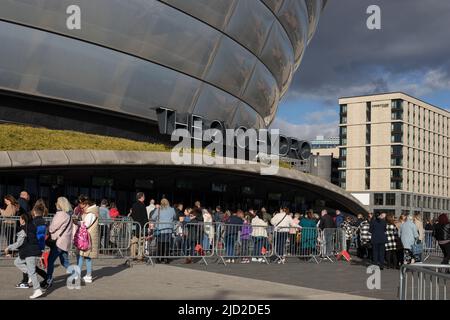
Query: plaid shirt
x=364 y=233
x=392 y=237
x=348 y=229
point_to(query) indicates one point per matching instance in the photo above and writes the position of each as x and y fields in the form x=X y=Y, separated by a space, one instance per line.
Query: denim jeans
x=28 y=265
x=230 y=240
x=88 y=264
x=379 y=251
x=56 y=252
x=258 y=244
x=281 y=238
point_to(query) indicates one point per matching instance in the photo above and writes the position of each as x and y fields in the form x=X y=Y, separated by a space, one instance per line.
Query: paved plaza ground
x=293 y=280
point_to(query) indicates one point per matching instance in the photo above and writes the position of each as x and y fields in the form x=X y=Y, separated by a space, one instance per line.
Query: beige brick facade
x=395 y=144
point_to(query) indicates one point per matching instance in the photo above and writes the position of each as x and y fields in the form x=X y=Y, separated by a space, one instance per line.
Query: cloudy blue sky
x=411 y=53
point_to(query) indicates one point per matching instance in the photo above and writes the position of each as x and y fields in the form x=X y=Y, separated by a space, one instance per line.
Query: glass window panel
x=245 y=116
x=294 y=17
x=68 y=69
x=278 y=56
x=262 y=93
x=314 y=7
x=213 y=12
x=274 y=5
x=232 y=67
x=250 y=24
x=214 y=104
x=149 y=29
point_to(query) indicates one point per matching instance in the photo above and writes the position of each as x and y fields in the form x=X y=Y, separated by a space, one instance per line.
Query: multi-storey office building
x=394 y=153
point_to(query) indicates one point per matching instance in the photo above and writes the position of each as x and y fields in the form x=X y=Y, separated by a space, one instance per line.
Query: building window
x=397 y=137
x=368 y=111
x=397 y=109
x=343 y=135
x=342 y=178
x=396 y=155
x=368 y=133
x=408 y=202
x=343 y=113
x=402 y=200
x=396 y=185
x=367 y=156
x=378 y=199
x=390 y=199
x=367 y=179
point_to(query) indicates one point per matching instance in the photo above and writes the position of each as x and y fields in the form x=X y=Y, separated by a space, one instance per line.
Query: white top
x=282 y=221
x=89 y=219
x=259 y=227
x=150 y=208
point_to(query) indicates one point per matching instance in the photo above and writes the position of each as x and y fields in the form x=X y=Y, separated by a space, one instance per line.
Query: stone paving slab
x=165 y=282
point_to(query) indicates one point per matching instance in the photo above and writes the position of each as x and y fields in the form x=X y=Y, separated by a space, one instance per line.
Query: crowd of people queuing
x=381 y=238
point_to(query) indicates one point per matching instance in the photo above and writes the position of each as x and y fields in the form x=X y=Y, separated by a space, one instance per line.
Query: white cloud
x=305 y=131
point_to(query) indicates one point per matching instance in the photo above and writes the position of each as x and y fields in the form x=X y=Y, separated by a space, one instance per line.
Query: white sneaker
x=227 y=261
x=37 y=293
x=260 y=260
x=87 y=279
x=255 y=259
x=232 y=260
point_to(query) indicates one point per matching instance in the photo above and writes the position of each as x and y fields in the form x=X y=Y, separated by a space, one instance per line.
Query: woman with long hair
x=9 y=225
x=442 y=234
x=60 y=238
x=89 y=219
x=40 y=203
x=164 y=218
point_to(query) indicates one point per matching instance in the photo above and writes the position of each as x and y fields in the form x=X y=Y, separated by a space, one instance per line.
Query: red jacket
x=114 y=213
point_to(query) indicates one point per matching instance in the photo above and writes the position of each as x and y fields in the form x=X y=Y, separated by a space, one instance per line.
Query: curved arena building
x=231 y=60
x=227 y=60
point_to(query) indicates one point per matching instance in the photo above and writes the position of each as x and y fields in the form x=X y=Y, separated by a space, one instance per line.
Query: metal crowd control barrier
x=431 y=246
x=119 y=238
x=116 y=238
x=332 y=242
x=243 y=242
x=178 y=240
x=296 y=242
x=424 y=281
x=8 y=232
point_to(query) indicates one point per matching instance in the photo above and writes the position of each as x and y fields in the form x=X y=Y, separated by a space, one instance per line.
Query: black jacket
x=195 y=230
x=442 y=232
x=326 y=222
x=139 y=213
x=233 y=225
x=30 y=247
x=23 y=205
x=378 y=231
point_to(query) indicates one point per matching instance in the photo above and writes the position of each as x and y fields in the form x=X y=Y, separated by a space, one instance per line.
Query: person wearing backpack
x=87 y=239
x=28 y=252
x=59 y=239
x=41 y=232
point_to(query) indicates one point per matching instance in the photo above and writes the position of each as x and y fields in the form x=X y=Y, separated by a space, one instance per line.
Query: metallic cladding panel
x=132 y=56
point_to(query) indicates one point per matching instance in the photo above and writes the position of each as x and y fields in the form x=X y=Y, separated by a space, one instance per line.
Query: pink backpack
x=82 y=239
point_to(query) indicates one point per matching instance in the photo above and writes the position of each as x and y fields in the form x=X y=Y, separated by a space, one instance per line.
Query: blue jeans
x=258 y=244
x=281 y=238
x=206 y=244
x=88 y=264
x=56 y=252
x=230 y=240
